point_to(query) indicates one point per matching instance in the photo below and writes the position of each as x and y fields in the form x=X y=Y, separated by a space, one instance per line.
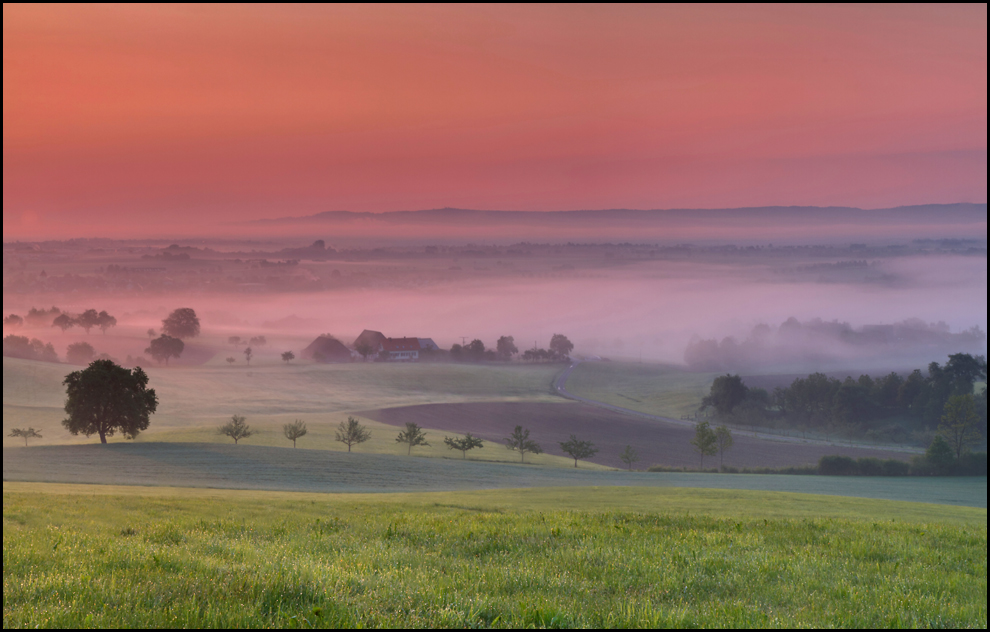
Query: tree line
x=886 y=407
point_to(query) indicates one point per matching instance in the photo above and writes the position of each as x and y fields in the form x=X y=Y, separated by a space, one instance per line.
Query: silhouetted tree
x=181 y=323
x=88 y=319
x=248 y=354
x=726 y=393
x=704 y=441
x=413 y=436
x=258 y=341
x=79 y=353
x=230 y=360
x=294 y=430
x=13 y=321
x=106 y=398
x=629 y=456
x=468 y=442
x=165 y=347
x=236 y=429
x=940 y=455
x=64 y=322
x=560 y=345
x=30 y=433
x=234 y=340
x=288 y=356
x=723 y=441
x=105 y=321
x=960 y=423
x=365 y=349
x=33 y=349
x=578 y=449
x=151 y=332
x=506 y=347
x=351 y=433
x=519 y=440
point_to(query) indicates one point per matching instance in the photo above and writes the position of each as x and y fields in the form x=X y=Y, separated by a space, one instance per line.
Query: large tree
x=960 y=423
x=519 y=440
x=578 y=449
x=506 y=347
x=351 y=432
x=182 y=323
x=105 y=321
x=561 y=346
x=64 y=322
x=726 y=393
x=412 y=436
x=165 y=347
x=106 y=398
x=88 y=319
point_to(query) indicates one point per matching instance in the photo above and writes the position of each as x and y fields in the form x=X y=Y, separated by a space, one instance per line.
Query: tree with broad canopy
x=106 y=398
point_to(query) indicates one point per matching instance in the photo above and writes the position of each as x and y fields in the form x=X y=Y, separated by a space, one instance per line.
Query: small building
x=406 y=349
x=326 y=348
x=371 y=338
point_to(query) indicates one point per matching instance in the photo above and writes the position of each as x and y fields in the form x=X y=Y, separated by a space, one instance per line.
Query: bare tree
x=30 y=433
x=236 y=429
x=469 y=442
x=578 y=449
x=629 y=456
x=413 y=436
x=294 y=430
x=351 y=432
x=519 y=440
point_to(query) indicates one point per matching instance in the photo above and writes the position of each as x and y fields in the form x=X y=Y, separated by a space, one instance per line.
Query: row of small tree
x=352 y=432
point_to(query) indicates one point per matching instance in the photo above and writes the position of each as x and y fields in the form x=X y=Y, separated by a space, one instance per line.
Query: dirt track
x=655 y=441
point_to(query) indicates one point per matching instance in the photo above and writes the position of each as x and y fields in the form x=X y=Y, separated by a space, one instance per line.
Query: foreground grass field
x=77 y=556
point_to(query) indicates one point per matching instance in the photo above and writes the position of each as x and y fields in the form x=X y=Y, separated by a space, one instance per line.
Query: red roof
x=401 y=344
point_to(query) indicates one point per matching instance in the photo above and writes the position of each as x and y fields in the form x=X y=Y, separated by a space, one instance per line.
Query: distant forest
x=818 y=342
x=888 y=408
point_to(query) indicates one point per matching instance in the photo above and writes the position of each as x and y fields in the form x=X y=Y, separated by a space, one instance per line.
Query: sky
x=122 y=121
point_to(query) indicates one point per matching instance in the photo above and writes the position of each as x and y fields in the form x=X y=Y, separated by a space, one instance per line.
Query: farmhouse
x=326 y=348
x=406 y=349
x=371 y=338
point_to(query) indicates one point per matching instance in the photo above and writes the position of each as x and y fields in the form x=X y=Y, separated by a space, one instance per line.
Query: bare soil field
x=245 y=467
x=654 y=441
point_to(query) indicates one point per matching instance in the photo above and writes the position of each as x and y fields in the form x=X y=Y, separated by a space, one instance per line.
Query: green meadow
x=655 y=389
x=77 y=556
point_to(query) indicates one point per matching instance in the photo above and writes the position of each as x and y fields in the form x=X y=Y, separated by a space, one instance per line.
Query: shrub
x=973 y=464
x=836 y=465
x=869 y=466
x=893 y=467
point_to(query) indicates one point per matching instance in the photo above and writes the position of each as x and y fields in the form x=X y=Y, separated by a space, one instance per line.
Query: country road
x=560 y=387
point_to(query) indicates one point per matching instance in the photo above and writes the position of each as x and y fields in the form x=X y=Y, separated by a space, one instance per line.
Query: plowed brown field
x=655 y=442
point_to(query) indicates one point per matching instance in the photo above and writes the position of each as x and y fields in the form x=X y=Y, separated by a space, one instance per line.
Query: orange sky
x=121 y=121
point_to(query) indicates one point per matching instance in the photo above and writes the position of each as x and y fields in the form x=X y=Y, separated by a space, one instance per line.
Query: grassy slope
x=285 y=469
x=195 y=400
x=603 y=558
x=649 y=388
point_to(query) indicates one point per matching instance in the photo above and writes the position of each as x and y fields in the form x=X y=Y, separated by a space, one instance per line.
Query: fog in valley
x=711 y=307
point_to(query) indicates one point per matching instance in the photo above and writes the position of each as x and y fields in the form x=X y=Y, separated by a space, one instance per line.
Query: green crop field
x=648 y=388
x=108 y=557
x=195 y=400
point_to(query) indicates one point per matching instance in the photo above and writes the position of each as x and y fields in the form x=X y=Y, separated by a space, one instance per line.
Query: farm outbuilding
x=327 y=348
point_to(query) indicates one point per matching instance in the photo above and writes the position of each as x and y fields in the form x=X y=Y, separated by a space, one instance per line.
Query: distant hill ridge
x=963 y=213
